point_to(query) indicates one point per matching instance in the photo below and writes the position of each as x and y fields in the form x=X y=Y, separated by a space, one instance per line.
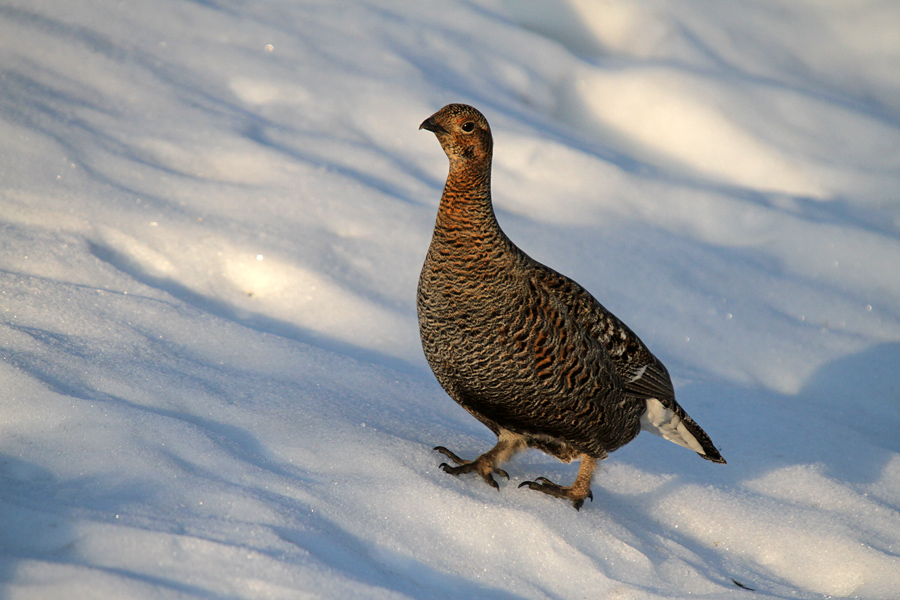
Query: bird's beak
x=431 y=125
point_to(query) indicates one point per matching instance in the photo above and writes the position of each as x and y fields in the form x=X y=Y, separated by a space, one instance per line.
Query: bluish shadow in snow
x=45 y=102
x=232 y=440
x=759 y=430
x=557 y=21
x=28 y=529
x=39 y=514
x=46 y=109
x=261 y=132
x=224 y=7
x=43 y=518
x=837 y=447
x=365 y=562
x=256 y=321
x=861 y=391
x=803 y=85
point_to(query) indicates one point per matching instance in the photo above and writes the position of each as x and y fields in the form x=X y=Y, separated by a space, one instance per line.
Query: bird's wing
x=643 y=375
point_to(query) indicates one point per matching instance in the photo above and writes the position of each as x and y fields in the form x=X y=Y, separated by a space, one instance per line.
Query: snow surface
x=213 y=214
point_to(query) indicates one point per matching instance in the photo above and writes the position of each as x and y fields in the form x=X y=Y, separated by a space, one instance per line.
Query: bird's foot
x=481 y=465
x=574 y=493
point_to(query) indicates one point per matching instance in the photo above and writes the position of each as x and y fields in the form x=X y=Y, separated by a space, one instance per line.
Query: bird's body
x=524 y=349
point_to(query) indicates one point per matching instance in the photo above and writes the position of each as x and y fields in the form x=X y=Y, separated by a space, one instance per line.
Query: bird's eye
x=468 y=126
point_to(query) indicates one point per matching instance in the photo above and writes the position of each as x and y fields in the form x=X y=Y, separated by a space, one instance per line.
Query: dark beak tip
x=430 y=124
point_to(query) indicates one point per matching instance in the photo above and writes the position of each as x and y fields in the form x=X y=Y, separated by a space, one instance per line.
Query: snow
x=213 y=215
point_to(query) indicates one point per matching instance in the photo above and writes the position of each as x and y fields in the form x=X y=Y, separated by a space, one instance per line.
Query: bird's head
x=463 y=132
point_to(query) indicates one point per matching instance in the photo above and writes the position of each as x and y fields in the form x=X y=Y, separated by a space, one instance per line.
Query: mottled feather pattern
x=524 y=349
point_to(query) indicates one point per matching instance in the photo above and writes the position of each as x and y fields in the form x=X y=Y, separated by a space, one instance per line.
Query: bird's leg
x=484 y=465
x=577 y=492
x=487 y=464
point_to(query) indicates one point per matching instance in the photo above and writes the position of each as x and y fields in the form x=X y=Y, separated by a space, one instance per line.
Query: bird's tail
x=673 y=424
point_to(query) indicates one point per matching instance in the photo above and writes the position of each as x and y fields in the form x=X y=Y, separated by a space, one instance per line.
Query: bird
x=527 y=351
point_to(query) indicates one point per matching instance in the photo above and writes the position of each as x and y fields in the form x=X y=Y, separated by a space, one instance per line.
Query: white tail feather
x=663 y=422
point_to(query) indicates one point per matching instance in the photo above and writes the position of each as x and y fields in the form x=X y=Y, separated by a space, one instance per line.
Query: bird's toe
x=449 y=454
x=542 y=484
x=491 y=481
x=457 y=470
x=479 y=465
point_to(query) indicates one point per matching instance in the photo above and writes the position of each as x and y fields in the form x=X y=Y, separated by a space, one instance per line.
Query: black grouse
x=526 y=350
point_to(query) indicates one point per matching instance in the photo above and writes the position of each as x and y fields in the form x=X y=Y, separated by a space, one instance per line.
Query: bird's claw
x=542 y=484
x=468 y=466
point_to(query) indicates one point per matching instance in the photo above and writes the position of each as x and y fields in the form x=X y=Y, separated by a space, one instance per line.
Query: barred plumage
x=527 y=351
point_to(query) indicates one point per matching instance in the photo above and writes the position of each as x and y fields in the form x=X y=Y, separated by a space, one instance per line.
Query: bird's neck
x=466 y=202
